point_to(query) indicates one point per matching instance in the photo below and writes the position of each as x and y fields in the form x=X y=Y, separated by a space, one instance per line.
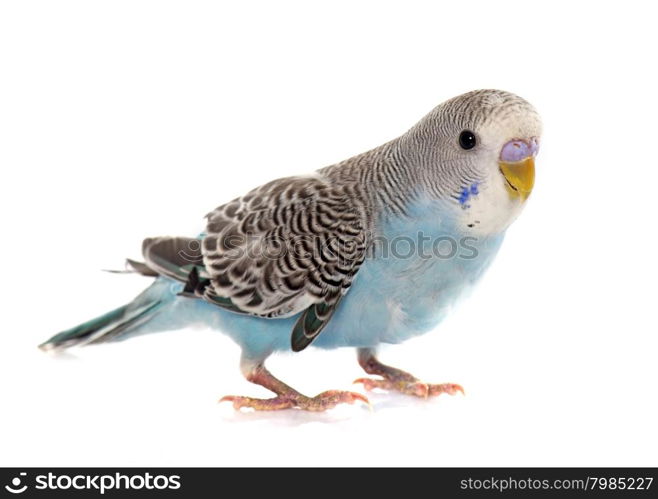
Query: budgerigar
x=371 y=250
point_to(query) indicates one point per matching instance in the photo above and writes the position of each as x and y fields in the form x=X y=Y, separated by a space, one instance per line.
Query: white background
x=126 y=119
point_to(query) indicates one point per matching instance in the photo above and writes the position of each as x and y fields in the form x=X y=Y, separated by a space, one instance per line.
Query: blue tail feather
x=106 y=326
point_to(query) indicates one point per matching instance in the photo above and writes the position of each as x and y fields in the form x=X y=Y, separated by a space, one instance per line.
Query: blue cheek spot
x=467 y=192
x=463 y=197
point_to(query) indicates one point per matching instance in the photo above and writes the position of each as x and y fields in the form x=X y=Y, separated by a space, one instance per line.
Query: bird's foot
x=273 y=404
x=322 y=402
x=287 y=397
x=396 y=379
x=413 y=387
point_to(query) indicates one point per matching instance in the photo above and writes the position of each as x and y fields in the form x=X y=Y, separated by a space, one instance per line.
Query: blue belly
x=395 y=299
x=405 y=289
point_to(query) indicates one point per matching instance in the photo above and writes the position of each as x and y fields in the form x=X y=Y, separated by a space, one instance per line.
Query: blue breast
x=423 y=264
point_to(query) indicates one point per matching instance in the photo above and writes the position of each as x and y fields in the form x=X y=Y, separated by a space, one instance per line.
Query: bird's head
x=478 y=153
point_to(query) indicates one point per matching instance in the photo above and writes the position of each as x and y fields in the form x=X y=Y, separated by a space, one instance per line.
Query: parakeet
x=374 y=249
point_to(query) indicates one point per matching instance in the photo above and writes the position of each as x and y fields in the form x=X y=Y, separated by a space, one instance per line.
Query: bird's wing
x=289 y=246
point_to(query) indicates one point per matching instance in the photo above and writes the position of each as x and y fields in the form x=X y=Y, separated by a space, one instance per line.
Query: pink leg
x=398 y=380
x=287 y=397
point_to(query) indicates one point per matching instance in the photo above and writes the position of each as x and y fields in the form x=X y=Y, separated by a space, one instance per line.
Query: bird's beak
x=517 y=164
x=520 y=177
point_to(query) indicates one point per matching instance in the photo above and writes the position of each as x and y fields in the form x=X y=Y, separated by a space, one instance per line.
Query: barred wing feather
x=289 y=246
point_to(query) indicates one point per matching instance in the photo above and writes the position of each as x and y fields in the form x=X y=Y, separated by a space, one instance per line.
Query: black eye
x=467 y=139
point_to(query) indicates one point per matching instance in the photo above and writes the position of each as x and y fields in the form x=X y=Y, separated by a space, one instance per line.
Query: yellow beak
x=520 y=177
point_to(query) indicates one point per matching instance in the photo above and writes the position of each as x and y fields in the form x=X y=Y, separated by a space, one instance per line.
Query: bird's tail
x=167 y=258
x=106 y=326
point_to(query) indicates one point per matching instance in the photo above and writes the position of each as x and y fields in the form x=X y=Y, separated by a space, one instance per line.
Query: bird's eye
x=467 y=140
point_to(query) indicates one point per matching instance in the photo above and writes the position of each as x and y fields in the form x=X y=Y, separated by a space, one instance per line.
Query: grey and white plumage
x=322 y=224
x=297 y=257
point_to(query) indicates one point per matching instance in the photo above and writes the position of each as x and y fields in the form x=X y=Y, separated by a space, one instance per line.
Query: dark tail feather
x=134 y=267
x=141 y=268
x=105 y=327
x=173 y=257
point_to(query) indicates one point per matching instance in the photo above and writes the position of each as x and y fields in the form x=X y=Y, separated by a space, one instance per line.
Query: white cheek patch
x=486 y=208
